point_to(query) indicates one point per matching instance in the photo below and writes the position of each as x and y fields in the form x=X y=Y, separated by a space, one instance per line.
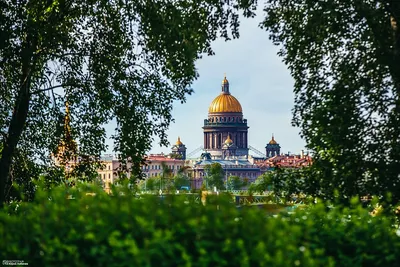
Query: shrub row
x=122 y=230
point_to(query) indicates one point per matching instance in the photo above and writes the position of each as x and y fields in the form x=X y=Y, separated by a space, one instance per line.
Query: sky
x=258 y=79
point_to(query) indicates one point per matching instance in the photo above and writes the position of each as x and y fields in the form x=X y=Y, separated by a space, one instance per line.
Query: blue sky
x=257 y=78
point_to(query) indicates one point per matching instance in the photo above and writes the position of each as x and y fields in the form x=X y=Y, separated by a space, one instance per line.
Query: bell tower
x=67 y=148
x=179 y=149
x=273 y=148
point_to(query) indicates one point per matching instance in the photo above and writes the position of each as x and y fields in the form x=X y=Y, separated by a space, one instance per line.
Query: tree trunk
x=18 y=118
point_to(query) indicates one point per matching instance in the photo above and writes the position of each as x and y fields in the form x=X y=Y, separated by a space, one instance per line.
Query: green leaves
x=122 y=61
x=344 y=59
x=236 y=183
x=214 y=176
x=122 y=229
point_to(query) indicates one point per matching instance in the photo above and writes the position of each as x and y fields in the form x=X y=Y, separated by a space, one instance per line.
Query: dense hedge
x=122 y=230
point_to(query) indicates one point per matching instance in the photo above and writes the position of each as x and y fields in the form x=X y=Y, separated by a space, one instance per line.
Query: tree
x=150 y=184
x=165 y=177
x=284 y=182
x=181 y=178
x=344 y=57
x=122 y=60
x=236 y=183
x=262 y=183
x=214 y=176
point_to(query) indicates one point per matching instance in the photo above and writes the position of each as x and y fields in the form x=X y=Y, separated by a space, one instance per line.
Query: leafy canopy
x=344 y=57
x=214 y=176
x=236 y=183
x=178 y=231
x=126 y=61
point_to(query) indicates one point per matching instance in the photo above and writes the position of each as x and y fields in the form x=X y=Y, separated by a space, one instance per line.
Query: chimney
x=302 y=154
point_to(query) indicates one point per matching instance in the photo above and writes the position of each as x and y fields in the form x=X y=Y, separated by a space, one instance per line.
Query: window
x=109 y=176
x=109 y=167
x=104 y=176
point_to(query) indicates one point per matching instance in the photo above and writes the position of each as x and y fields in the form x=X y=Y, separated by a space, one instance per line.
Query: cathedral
x=226 y=140
x=225 y=129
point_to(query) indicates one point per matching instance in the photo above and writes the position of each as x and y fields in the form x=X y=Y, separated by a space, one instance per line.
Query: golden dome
x=225 y=103
x=179 y=143
x=272 y=142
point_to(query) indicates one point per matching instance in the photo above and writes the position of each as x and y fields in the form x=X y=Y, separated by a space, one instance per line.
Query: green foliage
x=344 y=57
x=168 y=183
x=236 y=183
x=262 y=183
x=181 y=180
x=124 y=230
x=283 y=182
x=126 y=61
x=214 y=176
x=149 y=184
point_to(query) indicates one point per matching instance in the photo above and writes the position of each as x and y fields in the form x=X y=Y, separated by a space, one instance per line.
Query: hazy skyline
x=257 y=78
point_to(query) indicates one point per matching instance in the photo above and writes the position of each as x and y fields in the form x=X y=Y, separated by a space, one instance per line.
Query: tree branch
x=51 y=88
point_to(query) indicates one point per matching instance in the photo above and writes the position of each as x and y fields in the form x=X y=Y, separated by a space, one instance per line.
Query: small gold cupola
x=179 y=143
x=272 y=142
x=225 y=85
x=228 y=140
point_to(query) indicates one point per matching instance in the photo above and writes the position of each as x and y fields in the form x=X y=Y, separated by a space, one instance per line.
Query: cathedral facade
x=225 y=129
x=225 y=140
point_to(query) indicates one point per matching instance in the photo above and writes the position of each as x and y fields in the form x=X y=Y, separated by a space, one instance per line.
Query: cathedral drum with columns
x=225 y=130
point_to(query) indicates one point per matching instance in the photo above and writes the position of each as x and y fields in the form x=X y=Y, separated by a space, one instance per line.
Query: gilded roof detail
x=225 y=103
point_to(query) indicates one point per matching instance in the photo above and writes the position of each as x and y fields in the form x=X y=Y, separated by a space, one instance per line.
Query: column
x=215 y=141
x=234 y=139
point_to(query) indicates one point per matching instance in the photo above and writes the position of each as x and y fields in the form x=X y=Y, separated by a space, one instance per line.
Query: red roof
x=284 y=161
x=161 y=157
